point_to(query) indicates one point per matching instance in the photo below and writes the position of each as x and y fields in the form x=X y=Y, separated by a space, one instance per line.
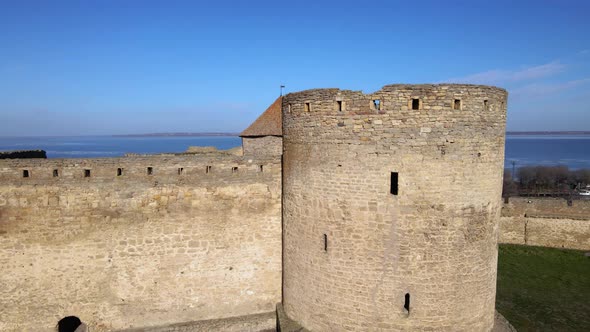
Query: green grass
x=544 y=289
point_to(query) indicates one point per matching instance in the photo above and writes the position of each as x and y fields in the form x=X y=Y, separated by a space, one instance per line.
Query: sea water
x=524 y=150
x=113 y=146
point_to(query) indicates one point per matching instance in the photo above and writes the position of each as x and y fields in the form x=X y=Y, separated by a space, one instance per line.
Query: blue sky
x=122 y=67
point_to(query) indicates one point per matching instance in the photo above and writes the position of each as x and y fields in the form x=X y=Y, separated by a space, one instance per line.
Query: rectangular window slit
x=119 y=171
x=377 y=104
x=339 y=105
x=307 y=107
x=486 y=105
x=234 y=169
x=407 y=303
x=393 y=184
x=415 y=104
x=208 y=169
x=86 y=173
x=25 y=173
x=457 y=104
x=180 y=170
x=325 y=242
x=150 y=170
x=260 y=168
x=55 y=173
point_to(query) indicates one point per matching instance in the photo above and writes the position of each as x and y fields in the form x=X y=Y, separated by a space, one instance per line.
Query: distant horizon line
x=234 y=134
x=178 y=134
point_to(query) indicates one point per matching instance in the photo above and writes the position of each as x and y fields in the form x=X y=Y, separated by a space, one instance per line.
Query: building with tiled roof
x=265 y=135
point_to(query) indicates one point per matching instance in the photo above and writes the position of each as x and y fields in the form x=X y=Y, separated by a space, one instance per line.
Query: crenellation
x=130 y=169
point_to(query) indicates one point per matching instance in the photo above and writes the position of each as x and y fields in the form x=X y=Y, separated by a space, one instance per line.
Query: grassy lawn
x=544 y=289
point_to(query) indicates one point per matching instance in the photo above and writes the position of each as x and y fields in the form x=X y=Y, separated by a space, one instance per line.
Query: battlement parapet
x=429 y=119
x=398 y=97
x=161 y=168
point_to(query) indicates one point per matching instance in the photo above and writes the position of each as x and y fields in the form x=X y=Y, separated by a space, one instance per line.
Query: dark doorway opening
x=68 y=324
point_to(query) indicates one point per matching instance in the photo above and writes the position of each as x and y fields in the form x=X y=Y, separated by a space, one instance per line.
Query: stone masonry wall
x=262 y=146
x=357 y=245
x=548 y=222
x=197 y=239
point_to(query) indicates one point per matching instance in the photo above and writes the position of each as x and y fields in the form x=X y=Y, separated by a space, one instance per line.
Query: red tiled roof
x=269 y=123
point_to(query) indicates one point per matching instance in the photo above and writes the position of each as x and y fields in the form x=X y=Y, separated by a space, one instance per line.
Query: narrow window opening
x=506 y=200
x=415 y=104
x=377 y=104
x=150 y=170
x=457 y=104
x=486 y=105
x=208 y=169
x=55 y=173
x=119 y=171
x=339 y=105
x=261 y=168
x=234 y=169
x=570 y=202
x=407 y=303
x=325 y=242
x=180 y=170
x=307 y=107
x=25 y=173
x=86 y=173
x=394 y=184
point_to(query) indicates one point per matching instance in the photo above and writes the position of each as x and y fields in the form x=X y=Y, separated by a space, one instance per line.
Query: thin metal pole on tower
x=282 y=87
x=513 y=164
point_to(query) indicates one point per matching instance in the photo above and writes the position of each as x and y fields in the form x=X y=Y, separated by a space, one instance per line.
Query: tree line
x=545 y=180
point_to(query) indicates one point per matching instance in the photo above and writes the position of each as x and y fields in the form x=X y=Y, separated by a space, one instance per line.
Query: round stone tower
x=391 y=202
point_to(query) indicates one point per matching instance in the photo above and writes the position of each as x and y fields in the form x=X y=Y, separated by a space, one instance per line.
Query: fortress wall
x=548 y=222
x=137 y=249
x=512 y=230
x=558 y=233
x=352 y=249
x=263 y=146
x=545 y=206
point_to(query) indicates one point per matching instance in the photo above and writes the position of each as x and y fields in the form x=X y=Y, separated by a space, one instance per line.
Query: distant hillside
x=176 y=134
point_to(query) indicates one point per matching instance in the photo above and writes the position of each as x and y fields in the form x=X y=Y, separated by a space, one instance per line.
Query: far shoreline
x=178 y=135
x=547 y=133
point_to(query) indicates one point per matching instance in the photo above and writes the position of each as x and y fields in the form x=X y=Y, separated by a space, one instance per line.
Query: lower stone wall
x=546 y=232
x=512 y=230
x=548 y=222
